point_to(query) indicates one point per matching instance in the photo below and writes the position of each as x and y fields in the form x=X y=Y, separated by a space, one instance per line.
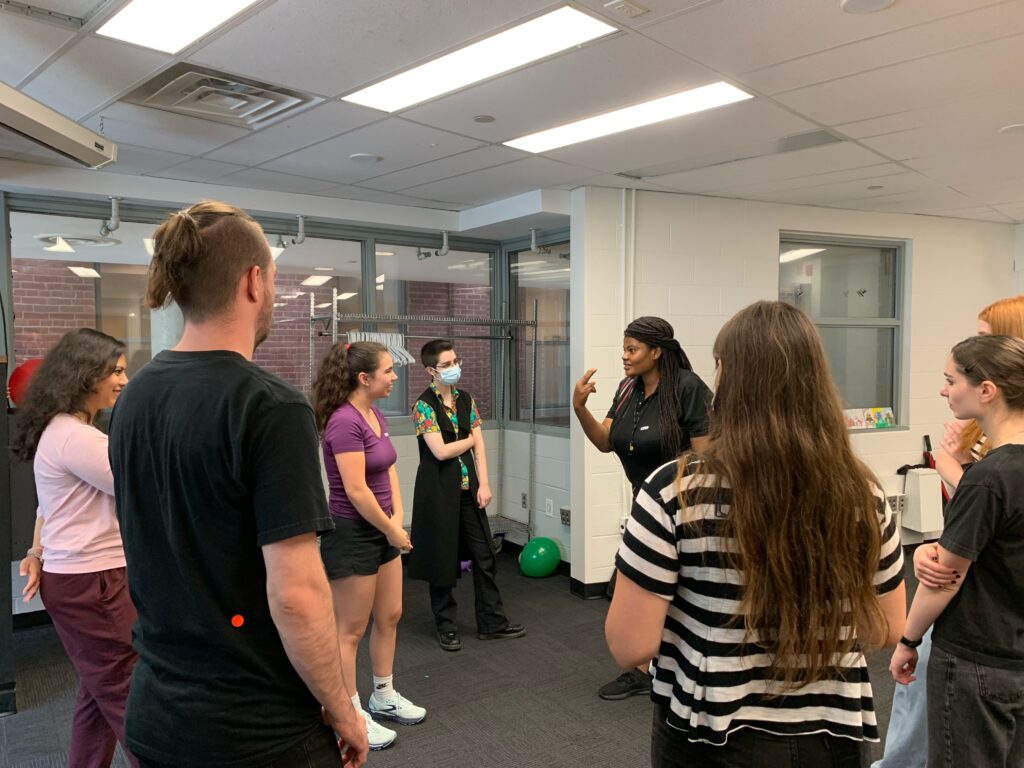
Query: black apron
x=435 y=551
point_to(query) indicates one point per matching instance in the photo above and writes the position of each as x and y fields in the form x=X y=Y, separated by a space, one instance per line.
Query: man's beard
x=264 y=321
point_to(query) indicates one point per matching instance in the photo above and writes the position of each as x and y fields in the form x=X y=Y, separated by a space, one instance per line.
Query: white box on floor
x=923 y=506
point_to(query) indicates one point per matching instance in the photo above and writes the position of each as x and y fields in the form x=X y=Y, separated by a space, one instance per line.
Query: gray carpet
x=528 y=703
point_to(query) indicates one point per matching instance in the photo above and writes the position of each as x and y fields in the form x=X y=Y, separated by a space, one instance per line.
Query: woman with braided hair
x=659 y=411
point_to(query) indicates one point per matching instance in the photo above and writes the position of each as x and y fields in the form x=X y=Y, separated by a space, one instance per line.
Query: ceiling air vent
x=186 y=89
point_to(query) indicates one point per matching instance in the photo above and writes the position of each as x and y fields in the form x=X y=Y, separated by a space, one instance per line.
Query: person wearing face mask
x=449 y=498
x=77 y=561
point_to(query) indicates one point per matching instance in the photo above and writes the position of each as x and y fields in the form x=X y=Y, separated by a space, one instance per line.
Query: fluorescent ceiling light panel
x=85 y=271
x=626 y=119
x=169 y=27
x=60 y=246
x=324 y=269
x=384 y=253
x=798 y=253
x=380 y=279
x=316 y=280
x=325 y=304
x=346 y=296
x=150 y=244
x=536 y=39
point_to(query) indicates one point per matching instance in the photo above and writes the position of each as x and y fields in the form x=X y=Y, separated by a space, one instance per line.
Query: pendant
x=632 y=446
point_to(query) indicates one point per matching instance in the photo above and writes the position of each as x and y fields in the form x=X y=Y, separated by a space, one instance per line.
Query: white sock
x=356 y=703
x=382 y=686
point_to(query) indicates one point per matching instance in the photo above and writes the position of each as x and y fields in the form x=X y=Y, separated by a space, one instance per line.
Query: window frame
x=900 y=349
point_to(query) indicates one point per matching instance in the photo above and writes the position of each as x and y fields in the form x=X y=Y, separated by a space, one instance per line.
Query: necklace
x=641 y=402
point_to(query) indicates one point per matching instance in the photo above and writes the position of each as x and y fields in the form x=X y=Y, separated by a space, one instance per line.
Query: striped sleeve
x=890 y=561
x=648 y=555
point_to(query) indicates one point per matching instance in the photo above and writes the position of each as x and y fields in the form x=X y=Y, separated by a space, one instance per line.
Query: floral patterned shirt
x=425 y=419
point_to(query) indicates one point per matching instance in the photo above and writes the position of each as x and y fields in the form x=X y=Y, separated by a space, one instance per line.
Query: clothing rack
x=500 y=524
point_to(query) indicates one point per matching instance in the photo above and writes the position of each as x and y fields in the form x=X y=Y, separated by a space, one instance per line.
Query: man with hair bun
x=219 y=499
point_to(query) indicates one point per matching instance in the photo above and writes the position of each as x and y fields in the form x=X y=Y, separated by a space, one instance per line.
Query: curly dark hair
x=339 y=375
x=62 y=384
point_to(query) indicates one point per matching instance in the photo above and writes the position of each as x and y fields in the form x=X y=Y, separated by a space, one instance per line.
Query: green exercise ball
x=540 y=557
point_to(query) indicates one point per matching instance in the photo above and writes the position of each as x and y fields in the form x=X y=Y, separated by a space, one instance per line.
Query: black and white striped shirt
x=710 y=680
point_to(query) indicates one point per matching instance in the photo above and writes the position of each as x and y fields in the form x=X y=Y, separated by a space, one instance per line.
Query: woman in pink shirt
x=76 y=561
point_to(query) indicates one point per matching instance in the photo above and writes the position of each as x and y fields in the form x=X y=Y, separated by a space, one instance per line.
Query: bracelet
x=36 y=552
x=911 y=643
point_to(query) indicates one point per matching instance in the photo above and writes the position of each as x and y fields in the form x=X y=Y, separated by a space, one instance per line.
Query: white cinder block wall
x=697 y=260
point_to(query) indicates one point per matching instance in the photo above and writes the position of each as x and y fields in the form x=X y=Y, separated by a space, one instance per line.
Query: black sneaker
x=632 y=683
x=449 y=641
x=510 y=632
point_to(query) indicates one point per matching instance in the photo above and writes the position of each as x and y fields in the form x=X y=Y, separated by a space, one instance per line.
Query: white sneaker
x=379 y=736
x=396 y=707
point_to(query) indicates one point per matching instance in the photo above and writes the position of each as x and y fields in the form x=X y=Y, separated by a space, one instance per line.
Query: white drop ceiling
x=916 y=94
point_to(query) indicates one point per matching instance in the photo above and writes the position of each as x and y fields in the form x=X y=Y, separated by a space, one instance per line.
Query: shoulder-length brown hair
x=803 y=516
x=1006 y=318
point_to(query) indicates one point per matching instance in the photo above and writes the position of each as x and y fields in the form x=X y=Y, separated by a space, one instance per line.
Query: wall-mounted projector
x=37 y=122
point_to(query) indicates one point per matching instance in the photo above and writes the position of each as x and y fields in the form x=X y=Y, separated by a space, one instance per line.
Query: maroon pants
x=93 y=615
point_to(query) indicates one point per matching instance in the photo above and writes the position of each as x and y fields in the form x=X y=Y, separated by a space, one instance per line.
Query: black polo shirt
x=636 y=421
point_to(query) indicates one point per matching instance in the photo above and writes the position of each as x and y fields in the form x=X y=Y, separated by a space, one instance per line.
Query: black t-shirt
x=984 y=522
x=212 y=458
x=643 y=431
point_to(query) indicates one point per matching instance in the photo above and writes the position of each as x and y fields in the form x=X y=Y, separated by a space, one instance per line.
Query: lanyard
x=637 y=411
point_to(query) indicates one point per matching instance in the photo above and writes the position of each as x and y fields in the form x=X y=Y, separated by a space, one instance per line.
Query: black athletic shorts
x=355 y=548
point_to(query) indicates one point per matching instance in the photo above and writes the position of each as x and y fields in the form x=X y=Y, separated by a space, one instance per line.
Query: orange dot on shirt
x=237 y=620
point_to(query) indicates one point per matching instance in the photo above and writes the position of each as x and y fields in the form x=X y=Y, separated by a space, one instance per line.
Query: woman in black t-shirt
x=977 y=659
x=659 y=411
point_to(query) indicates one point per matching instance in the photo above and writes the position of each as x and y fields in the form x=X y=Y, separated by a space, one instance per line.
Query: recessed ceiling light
x=649 y=112
x=60 y=245
x=131 y=314
x=1013 y=128
x=324 y=269
x=483 y=119
x=384 y=253
x=797 y=253
x=865 y=6
x=347 y=296
x=380 y=287
x=169 y=27
x=873 y=187
x=85 y=271
x=324 y=304
x=365 y=157
x=380 y=279
x=150 y=244
x=314 y=281
x=538 y=38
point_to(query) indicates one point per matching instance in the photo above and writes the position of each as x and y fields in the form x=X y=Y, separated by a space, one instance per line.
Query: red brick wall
x=49 y=301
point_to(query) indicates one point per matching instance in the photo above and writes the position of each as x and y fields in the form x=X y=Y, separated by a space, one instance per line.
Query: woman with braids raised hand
x=759 y=571
x=659 y=411
x=77 y=559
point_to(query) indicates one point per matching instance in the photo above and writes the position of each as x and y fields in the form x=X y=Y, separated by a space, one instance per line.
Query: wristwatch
x=36 y=552
x=911 y=643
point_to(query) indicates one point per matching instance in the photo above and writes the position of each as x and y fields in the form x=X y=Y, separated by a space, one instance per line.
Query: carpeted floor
x=528 y=703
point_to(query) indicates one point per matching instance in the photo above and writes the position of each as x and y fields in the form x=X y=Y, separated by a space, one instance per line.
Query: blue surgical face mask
x=450 y=376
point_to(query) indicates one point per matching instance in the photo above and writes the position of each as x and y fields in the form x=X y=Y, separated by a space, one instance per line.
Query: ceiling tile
x=1006 y=192
x=959 y=31
x=935 y=202
x=400 y=143
x=657 y=10
x=946 y=77
x=823 y=194
x=143 y=160
x=504 y=181
x=322 y=122
x=628 y=67
x=25 y=44
x=786 y=165
x=390 y=198
x=715 y=136
x=90 y=74
x=737 y=36
x=197 y=169
x=985 y=165
x=876 y=173
x=158 y=129
x=257 y=178
x=1015 y=212
x=331 y=48
x=80 y=9
x=474 y=160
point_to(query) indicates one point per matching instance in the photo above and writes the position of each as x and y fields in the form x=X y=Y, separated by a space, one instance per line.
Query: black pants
x=318 y=750
x=475 y=539
x=748 y=748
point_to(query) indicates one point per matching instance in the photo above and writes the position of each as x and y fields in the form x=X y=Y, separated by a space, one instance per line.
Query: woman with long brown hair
x=976 y=670
x=362 y=554
x=77 y=560
x=757 y=572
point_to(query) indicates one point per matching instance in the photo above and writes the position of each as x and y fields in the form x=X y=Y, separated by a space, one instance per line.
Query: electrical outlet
x=523 y=502
x=549 y=508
